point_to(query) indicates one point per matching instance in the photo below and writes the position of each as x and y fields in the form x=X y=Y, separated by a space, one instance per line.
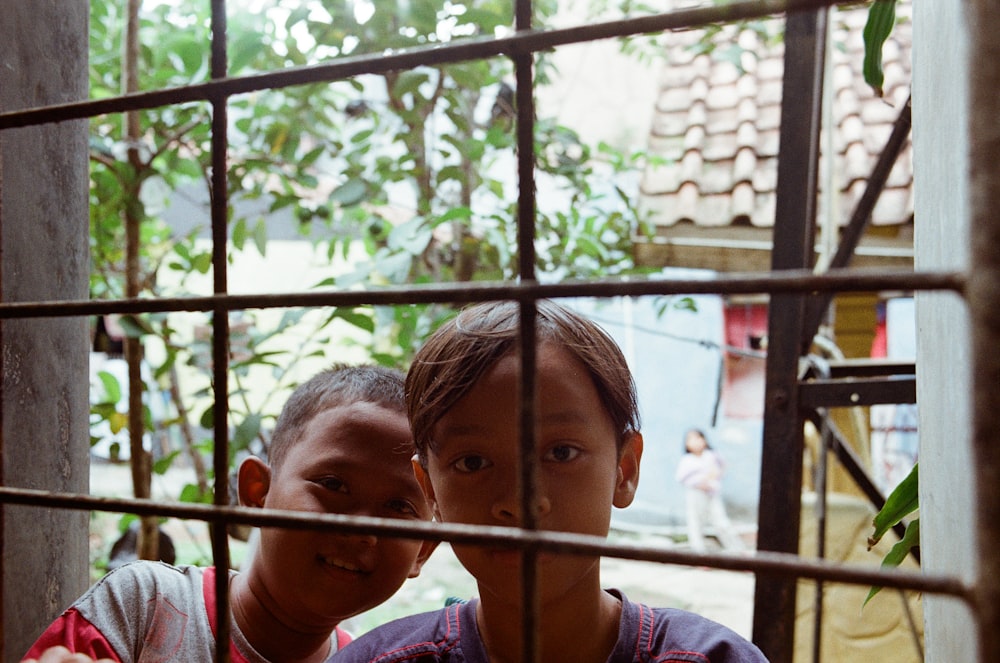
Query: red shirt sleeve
x=76 y=634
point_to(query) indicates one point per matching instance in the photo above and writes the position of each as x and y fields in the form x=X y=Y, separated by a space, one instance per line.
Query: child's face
x=472 y=472
x=695 y=443
x=354 y=460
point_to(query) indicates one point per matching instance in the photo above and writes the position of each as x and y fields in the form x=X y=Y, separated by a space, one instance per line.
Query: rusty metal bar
x=220 y=330
x=869 y=368
x=857 y=391
x=821 y=526
x=983 y=21
x=556 y=542
x=852 y=463
x=779 y=507
x=458 y=51
x=524 y=90
x=788 y=281
x=860 y=218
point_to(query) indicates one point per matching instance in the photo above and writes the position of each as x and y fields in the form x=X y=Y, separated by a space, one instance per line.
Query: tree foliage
x=408 y=176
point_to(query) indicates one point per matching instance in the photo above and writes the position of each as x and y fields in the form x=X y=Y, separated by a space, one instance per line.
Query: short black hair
x=462 y=350
x=341 y=384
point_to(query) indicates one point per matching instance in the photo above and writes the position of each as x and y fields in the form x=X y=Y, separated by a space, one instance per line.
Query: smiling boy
x=341 y=445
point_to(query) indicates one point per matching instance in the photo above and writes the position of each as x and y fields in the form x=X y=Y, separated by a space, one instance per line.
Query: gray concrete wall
x=940 y=120
x=45 y=256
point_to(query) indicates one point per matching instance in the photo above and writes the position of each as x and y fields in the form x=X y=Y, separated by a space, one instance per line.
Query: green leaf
x=117 y=422
x=240 y=234
x=351 y=192
x=202 y=263
x=260 y=236
x=360 y=320
x=112 y=389
x=207 y=419
x=162 y=465
x=881 y=18
x=408 y=82
x=411 y=237
x=135 y=327
x=246 y=431
x=191 y=494
x=896 y=555
x=902 y=501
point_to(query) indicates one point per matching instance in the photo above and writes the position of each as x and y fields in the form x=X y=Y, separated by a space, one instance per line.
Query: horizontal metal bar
x=527 y=41
x=783 y=281
x=857 y=391
x=864 y=367
x=559 y=542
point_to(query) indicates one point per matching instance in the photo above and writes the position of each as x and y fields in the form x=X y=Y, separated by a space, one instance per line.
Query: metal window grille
x=791 y=284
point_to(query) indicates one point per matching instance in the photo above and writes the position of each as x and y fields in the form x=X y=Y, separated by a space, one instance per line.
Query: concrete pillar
x=944 y=356
x=45 y=256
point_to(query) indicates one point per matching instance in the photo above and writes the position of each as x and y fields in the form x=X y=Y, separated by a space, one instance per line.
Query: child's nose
x=368 y=539
x=508 y=507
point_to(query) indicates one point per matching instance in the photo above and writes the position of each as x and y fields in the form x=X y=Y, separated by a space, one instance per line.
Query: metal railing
x=775 y=570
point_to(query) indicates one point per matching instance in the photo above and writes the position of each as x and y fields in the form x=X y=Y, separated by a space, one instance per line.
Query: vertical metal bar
x=3 y=371
x=821 y=488
x=220 y=332
x=781 y=457
x=861 y=217
x=530 y=645
x=983 y=297
x=525 y=103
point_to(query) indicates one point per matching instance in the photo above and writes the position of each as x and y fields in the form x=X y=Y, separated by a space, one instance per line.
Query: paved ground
x=724 y=596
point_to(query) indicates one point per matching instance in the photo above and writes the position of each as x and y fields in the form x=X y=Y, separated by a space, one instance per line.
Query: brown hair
x=338 y=385
x=462 y=350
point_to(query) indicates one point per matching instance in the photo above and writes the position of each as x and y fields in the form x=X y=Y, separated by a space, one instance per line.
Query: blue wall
x=677 y=359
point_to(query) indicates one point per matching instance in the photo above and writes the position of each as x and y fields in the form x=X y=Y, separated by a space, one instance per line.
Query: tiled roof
x=717 y=126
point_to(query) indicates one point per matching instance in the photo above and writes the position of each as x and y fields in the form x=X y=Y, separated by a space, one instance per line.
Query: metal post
x=984 y=309
x=794 y=230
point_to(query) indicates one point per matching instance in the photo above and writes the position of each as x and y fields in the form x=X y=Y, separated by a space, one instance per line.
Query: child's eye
x=403 y=507
x=471 y=463
x=333 y=483
x=562 y=453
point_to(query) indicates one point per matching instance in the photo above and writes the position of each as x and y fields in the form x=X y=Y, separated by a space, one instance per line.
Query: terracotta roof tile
x=717 y=126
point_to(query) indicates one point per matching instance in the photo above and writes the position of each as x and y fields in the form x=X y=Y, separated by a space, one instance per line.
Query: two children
x=341 y=445
x=463 y=405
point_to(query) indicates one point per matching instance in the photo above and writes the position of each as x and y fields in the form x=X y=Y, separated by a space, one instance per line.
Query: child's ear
x=628 y=470
x=253 y=480
x=425 y=486
x=426 y=548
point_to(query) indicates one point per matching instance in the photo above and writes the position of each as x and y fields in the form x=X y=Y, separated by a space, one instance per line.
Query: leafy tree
x=407 y=175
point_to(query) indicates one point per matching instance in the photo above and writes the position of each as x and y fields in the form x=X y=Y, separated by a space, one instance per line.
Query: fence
x=775 y=564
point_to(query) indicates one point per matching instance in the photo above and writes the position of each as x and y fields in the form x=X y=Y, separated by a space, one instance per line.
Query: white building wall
x=940 y=120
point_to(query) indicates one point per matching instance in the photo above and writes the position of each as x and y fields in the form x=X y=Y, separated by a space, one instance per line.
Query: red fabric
x=75 y=633
x=745 y=376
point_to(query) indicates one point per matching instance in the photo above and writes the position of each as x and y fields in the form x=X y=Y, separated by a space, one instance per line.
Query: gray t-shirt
x=150 y=612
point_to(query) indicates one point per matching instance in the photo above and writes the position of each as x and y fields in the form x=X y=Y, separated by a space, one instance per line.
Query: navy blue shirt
x=660 y=635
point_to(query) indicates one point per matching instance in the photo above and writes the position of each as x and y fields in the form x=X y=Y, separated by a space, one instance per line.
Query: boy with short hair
x=341 y=445
x=462 y=401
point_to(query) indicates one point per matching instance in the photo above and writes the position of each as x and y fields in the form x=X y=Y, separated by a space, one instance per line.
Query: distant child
x=700 y=471
x=341 y=445
x=462 y=400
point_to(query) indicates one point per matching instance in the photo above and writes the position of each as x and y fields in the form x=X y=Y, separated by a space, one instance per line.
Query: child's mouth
x=341 y=564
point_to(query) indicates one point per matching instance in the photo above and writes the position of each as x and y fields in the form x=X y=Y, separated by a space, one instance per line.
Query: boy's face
x=472 y=473
x=355 y=460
